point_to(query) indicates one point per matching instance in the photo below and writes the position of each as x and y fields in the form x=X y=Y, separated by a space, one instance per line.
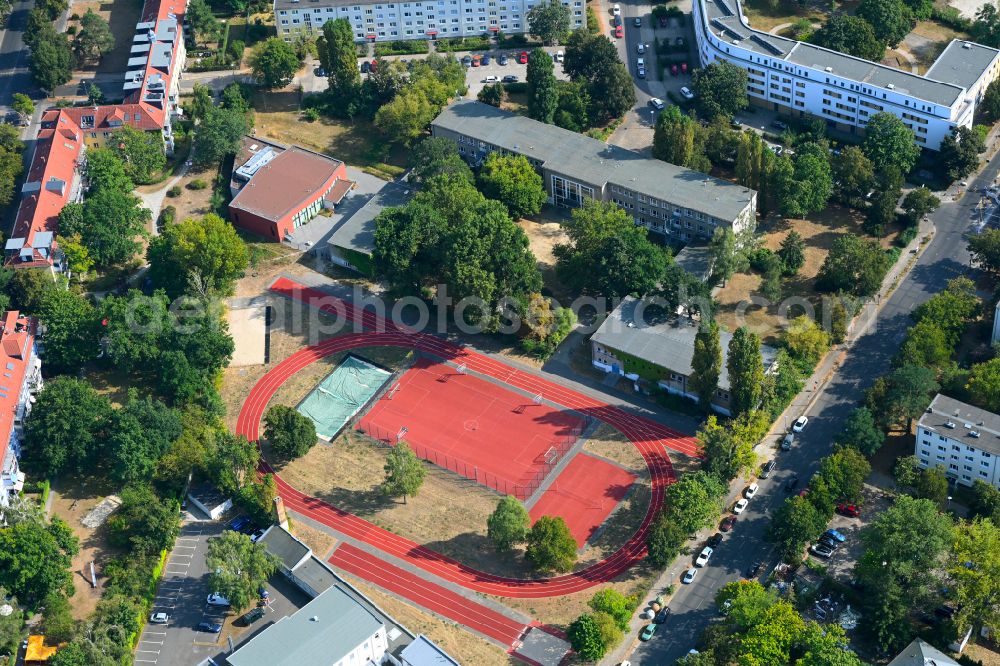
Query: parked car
x=375 y=65
x=680 y=41
x=689 y=575
x=647 y=632
x=715 y=540
x=750 y=491
x=686 y=93
x=819 y=550
x=656 y=103
x=835 y=535
x=252 y=616
x=740 y=506
x=215 y=599
x=684 y=68
x=673 y=69
x=800 y=424
x=255 y=537
x=641 y=72
x=210 y=627
x=319 y=71
x=502 y=60
x=828 y=541
x=510 y=78
x=703 y=557
x=619 y=32
x=467 y=61
x=477 y=60
x=640 y=48
x=788 y=442
x=768 y=467
x=777 y=124
x=755 y=569
x=662 y=616
x=238 y=523
x=727 y=523
x=849 y=510
x=638 y=22
x=485 y=59
x=159 y=618
x=616 y=10
x=560 y=56
x=523 y=57
x=791 y=484
x=491 y=79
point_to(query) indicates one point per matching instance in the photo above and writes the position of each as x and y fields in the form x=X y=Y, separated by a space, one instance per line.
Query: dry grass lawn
x=818 y=232
x=543 y=235
x=190 y=203
x=320 y=542
x=122 y=15
x=467 y=648
x=71 y=501
x=358 y=144
x=762 y=17
x=987 y=655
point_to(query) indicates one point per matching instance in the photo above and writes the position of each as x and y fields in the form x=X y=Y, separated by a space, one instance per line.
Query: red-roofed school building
x=277 y=188
x=20 y=380
x=55 y=175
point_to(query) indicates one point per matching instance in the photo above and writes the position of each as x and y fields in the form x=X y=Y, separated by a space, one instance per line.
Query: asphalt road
x=944 y=258
x=14 y=76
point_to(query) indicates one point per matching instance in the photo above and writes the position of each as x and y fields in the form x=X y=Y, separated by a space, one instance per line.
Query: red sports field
x=473 y=427
x=584 y=494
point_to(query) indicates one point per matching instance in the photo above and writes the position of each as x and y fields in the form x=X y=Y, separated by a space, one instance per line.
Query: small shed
x=210 y=500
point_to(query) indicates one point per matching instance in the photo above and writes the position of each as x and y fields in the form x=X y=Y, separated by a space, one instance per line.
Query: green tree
x=932 y=484
x=803 y=185
x=919 y=202
x=850 y=34
x=898 y=568
x=746 y=371
x=989 y=105
x=405 y=118
x=23 y=105
x=792 y=252
x=573 y=107
x=825 y=645
x=514 y=182
x=805 y=340
x=985 y=249
x=64 y=427
x=853 y=176
x=706 y=363
x=548 y=21
x=719 y=450
x=588 y=55
x=862 y=432
x=493 y=94
x=906 y=470
x=888 y=142
x=106 y=171
x=594 y=59
x=145 y=523
x=854 y=265
x=727 y=256
x=543 y=95
x=508 y=525
x=435 y=156
x=404 y=473
x=70 y=329
x=674 y=137
x=985 y=501
x=206 y=27
x=237 y=568
x=141 y=153
x=795 y=523
x=772 y=640
x=926 y=344
x=695 y=501
x=891 y=20
x=208 y=252
x=744 y=602
x=139 y=434
x=274 y=63
x=952 y=309
x=618 y=606
x=51 y=62
x=232 y=462
x=973 y=569
x=32 y=563
x=959 y=152
x=845 y=471
x=551 y=547
x=339 y=58
x=289 y=433
x=665 y=541
x=133 y=327
x=111 y=224
x=720 y=89
x=607 y=253
x=94 y=39
x=902 y=396
x=612 y=92
x=58 y=624
x=585 y=638
x=217 y=135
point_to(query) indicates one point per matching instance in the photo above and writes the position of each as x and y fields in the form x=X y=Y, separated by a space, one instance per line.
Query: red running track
x=433 y=597
x=649 y=438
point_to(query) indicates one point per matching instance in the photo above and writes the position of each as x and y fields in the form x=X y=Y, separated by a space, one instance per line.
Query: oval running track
x=649 y=438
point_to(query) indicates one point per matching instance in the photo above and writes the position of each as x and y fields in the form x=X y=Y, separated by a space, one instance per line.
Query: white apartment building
x=21 y=380
x=961 y=439
x=802 y=79
x=430 y=19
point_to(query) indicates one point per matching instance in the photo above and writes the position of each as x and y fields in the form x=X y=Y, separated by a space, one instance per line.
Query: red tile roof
x=285 y=183
x=17 y=337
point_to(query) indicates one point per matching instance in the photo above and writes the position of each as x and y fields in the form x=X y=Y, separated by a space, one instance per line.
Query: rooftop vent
x=966 y=45
x=968 y=426
x=950 y=425
x=829 y=69
x=890 y=86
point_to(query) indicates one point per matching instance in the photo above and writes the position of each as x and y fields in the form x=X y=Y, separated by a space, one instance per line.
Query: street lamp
x=949 y=502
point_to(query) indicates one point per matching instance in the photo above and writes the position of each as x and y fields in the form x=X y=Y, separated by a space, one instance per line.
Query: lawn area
x=927 y=40
x=764 y=18
x=357 y=143
x=818 y=232
x=122 y=15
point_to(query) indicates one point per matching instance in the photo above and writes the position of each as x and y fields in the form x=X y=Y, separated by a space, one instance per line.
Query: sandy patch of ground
x=544 y=233
x=464 y=646
x=71 y=501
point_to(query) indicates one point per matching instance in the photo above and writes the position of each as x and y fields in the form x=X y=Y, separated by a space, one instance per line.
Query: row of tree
x=53 y=55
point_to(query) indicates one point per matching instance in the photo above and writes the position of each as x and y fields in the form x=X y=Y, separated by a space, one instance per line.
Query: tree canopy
x=289 y=433
x=549 y=21
x=551 y=546
x=891 y=20
x=888 y=142
x=404 y=473
x=64 y=427
x=274 y=63
x=33 y=563
x=218 y=134
x=206 y=252
x=508 y=525
x=238 y=568
x=720 y=89
x=850 y=34
x=543 y=95
x=746 y=371
x=854 y=265
x=512 y=180
x=141 y=153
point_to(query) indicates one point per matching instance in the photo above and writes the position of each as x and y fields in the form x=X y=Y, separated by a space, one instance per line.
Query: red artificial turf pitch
x=478 y=429
x=584 y=495
x=429 y=595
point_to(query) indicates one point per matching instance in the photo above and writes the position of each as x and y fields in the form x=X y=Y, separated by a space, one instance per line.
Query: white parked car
x=215 y=599
x=640 y=48
x=689 y=575
x=740 y=506
x=159 y=618
x=657 y=103
x=750 y=491
x=800 y=424
x=686 y=92
x=491 y=79
x=560 y=56
x=703 y=556
x=617 y=10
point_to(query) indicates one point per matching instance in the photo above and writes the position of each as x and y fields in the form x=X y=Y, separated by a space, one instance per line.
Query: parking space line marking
x=146 y=661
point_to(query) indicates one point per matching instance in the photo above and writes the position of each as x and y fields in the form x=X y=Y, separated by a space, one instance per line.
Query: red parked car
x=673 y=70
x=684 y=68
x=727 y=523
x=619 y=32
x=523 y=57
x=849 y=510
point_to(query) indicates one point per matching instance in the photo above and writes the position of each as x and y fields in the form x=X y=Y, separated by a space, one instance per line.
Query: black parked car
x=510 y=78
x=365 y=67
x=715 y=539
x=662 y=616
x=791 y=484
x=755 y=570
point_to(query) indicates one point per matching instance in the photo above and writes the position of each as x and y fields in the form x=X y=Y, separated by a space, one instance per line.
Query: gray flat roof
x=357 y=231
x=962 y=62
x=921 y=653
x=955 y=420
x=696 y=260
x=284 y=546
x=668 y=343
x=726 y=21
x=595 y=162
x=422 y=652
x=316 y=575
x=322 y=632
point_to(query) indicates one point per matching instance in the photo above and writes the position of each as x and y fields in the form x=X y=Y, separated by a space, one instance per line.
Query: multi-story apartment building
x=675 y=202
x=427 y=19
x=22 y=378
x=802 y=79
x=150 y=104
x=961 y=439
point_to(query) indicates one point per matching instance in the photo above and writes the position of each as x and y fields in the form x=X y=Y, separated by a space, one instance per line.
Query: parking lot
x=182 y=596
